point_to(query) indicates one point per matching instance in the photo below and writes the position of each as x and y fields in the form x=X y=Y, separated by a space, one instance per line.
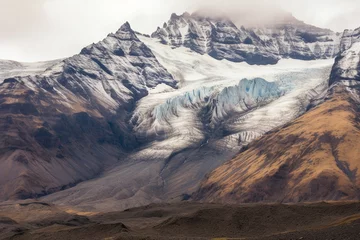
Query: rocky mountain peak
x=125 y=32
x=221 y=38
x=174 y=16
x=126 y=27
x=80 y=102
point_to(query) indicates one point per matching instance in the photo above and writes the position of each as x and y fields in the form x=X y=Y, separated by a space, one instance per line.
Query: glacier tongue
x=192 y=100
x=213 y=109
x=214 y=112
x=194 y=114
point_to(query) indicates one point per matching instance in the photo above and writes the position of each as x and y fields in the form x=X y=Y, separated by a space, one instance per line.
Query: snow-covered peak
x=126 y=27
x=125 y=32
x=112 y=74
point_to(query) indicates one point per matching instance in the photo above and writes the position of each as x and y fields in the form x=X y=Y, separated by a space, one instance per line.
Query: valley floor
x=39 y=220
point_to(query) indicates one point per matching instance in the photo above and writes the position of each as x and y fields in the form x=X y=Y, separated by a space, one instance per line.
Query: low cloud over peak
x=47 y=29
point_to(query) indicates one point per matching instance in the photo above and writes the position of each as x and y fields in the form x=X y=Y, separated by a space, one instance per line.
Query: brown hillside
x=314 y=158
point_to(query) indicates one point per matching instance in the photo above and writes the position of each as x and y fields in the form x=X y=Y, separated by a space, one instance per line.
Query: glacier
x=216 y=109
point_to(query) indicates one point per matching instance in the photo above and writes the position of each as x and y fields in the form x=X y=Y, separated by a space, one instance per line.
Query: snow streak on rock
x=347 y=64
x=222 y=39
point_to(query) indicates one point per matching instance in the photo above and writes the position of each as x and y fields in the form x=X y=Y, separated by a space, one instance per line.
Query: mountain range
x=203 y=110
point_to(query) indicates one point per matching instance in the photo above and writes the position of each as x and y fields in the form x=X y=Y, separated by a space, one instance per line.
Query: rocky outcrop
x=347 y=64
x=222 y=39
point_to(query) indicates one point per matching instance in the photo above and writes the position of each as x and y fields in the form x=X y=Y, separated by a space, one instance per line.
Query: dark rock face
x=44 y=137
x=53 y=147
x=347 y=64
x=69 y=123
x=221 y=39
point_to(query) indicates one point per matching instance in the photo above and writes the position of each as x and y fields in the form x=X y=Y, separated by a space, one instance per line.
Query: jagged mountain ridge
x=222 y=39
x=125 y=63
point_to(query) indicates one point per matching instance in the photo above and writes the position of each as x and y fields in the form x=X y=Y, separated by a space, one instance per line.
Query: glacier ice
x=248 y=94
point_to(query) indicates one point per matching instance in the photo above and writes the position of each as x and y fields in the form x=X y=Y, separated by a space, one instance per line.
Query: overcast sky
x=35 y=30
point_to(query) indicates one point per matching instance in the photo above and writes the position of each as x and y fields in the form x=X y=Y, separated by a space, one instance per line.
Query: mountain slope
x=308 y=160
x=222 y=39
x=313 y=158
x=67 y=124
